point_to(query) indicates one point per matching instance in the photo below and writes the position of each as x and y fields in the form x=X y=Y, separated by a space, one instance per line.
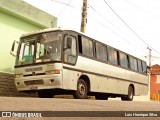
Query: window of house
x=158 y=91
x=158 y=78
x=101 y=52
x=112 y=55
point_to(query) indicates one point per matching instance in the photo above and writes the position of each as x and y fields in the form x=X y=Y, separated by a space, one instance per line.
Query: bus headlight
x=18 y=75
x=53 y=72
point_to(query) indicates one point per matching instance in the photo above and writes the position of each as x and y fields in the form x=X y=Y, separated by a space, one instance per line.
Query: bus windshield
x=43 y=47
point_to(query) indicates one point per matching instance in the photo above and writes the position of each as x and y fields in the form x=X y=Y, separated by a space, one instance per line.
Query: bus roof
x=48 y=30
x=63 y=29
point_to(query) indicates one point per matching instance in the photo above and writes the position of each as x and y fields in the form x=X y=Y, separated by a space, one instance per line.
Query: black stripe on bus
x=34 y=75
x=116 y=78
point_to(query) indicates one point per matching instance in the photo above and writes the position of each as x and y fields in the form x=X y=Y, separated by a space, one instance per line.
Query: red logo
x=33 y=73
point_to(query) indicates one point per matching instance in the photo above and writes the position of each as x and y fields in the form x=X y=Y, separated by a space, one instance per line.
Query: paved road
x=57 y=104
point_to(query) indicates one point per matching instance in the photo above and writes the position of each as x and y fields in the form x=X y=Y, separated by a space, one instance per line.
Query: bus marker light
x=57 y=72
x=18 y=75
x=53 y=72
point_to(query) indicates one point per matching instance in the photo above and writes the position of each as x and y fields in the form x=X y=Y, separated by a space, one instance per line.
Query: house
x=155 y=82
x=16 y=18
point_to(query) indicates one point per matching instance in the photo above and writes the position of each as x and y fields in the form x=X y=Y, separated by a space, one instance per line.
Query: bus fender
x=86 y=79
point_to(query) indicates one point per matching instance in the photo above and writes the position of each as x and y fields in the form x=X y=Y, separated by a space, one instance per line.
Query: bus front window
x=26 y=51
x=42 y=47
x=49 y=47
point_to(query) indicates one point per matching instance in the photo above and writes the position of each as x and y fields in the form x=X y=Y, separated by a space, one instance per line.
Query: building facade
x=16 y=18
x=155 y=82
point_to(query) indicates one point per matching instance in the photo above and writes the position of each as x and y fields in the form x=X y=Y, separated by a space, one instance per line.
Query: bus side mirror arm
x=13 y=47
x=12 y=54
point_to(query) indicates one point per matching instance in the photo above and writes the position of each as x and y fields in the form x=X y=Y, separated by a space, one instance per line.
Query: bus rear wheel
x=81 y=92
x=45 y=94
x=130 y=95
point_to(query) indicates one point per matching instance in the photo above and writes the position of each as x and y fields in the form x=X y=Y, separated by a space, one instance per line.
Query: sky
x=128 y=25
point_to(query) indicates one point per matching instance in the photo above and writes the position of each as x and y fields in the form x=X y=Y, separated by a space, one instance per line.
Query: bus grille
x=34 y=82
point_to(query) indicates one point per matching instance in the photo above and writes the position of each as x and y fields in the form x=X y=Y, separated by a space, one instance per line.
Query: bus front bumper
x=34 y=83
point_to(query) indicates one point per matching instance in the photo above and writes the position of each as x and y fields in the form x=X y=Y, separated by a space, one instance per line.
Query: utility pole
x=84 y=16
x=149 y=70
x=149 y=56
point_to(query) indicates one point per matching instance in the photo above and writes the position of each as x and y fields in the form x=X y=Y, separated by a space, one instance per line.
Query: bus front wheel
x=81 y=92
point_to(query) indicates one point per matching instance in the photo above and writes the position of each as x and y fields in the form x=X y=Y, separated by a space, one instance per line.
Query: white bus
x=56 y=61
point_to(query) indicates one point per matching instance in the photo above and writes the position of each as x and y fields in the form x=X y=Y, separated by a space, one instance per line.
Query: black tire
x=101 y=96
x=81 y=92
x=45 y=94
x=130 y=95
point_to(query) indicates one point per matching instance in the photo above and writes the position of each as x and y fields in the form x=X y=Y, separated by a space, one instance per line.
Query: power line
x=114 y=26
x=101 y=15
x=130 y=27
x=62 y=3
x=158 y=18
x=125 y=22
x=100 y=23
x=156 y=57
x=68 y=4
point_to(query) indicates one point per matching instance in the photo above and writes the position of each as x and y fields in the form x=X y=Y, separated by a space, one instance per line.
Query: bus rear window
x=144 y=66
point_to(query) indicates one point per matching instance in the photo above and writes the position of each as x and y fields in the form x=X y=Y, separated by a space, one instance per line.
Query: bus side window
x=128 y=63
x=144 y=66
x=70 y=49
x=101 y=52
x=80 y=44
x=87 y=47
x=112 y=55
x=123 y=60
x=133 y=63
x=140 y=66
